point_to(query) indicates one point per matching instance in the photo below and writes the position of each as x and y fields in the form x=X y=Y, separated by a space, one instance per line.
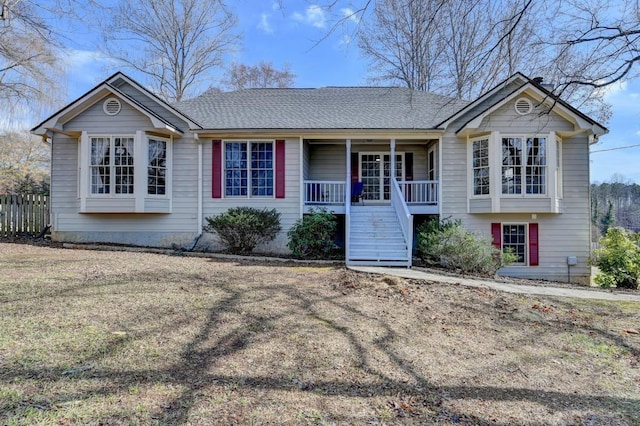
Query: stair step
x=397 y=263
x=376 y=238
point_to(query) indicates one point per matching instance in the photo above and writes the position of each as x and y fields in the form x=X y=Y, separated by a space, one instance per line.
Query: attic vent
x=523 y=106
x=111 y=106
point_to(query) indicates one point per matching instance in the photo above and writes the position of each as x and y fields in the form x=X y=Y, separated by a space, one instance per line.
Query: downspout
x=199 y=215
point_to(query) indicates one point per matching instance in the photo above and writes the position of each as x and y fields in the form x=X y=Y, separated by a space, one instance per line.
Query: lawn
x=110 y=338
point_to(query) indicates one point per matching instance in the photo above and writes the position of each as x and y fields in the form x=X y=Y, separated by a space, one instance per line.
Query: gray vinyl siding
x=328 y=162
x=560 y=235
x=506 y=120
x=153 y=106
x=94 y=120
x=289 y=206
x=64 y=176
x=479 y=205
x=482 y=106
x=305 y=160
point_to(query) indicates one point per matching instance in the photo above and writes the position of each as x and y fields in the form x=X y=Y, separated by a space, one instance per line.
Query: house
x=129 y=168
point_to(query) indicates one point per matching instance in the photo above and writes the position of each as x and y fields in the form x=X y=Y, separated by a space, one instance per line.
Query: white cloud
x=264 y=24
x=612 y=90
x=314 y=16
x=75 y=58
x=349 y=15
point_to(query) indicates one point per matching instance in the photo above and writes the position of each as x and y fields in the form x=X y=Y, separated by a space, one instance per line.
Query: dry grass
x=131 y=338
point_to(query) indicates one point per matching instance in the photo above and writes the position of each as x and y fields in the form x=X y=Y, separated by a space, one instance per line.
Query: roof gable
x=55 y=122
x=518 y=84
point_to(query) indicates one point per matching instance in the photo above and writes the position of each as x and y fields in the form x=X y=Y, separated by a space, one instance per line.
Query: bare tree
x=24 y=162
x=29 y=74
x=602 y=37
x=403 y=44
x=263 y=75
x=453 y=47
x=176 y=44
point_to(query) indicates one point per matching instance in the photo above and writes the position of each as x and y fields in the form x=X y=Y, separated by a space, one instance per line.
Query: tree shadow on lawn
x=203 y=360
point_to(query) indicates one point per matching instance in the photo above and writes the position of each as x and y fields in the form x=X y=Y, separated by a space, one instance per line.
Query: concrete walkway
x=580 y=293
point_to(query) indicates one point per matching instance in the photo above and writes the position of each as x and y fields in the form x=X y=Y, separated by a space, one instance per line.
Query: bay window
x=480 y=152
x=157 y=167
x=524 y=165
x=111 y=169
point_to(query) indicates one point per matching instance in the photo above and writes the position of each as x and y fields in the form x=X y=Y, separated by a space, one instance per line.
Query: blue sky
x=293 y=36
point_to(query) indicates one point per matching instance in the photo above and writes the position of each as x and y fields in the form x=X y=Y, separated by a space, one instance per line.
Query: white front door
x=375 y=171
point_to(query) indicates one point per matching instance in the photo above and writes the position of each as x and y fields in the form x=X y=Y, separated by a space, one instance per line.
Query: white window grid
x=524 y=165
x=514 y=238
x=480 y=155
x=111 y=167
x=157 y=167
x=249 y=168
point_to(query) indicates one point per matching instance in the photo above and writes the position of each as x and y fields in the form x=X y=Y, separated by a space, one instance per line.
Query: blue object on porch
x=356 y=191
x=314 y=194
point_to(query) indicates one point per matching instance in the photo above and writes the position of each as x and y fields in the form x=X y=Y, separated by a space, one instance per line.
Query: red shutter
x=496 y=232
x=408 y=167
x=280 y=169
x=354 y=167
x=533 y=244
x=216 y=169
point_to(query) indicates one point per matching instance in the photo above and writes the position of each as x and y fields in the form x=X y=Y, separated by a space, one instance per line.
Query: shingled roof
x=323 y=108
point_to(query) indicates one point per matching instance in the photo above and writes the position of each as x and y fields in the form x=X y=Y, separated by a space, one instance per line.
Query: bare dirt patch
x=90 y=337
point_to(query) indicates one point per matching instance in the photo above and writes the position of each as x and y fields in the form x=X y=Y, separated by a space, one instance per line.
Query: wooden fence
x=21 y=214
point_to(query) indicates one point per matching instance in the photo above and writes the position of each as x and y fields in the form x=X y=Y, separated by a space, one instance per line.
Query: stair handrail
x=404 y=216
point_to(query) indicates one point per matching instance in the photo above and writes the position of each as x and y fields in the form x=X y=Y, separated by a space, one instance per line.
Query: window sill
x=125 y=205
x=528 y=205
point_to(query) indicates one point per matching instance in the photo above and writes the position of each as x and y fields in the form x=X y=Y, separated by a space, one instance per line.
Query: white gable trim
x=192 y=124
x=579 y=122
x=56 y=122
x=500 y=86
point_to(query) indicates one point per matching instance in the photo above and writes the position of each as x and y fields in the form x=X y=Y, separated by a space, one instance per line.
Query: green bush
x=618 y=259
x=313 y=235
x=241 y=229
x=446 y=243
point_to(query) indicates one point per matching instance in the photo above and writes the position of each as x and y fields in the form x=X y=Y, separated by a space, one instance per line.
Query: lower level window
x=514 y=238
x=248 y=169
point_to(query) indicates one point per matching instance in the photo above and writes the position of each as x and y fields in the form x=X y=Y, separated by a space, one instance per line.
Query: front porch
x=421 y=197
x=333 y=169
x=378 y=185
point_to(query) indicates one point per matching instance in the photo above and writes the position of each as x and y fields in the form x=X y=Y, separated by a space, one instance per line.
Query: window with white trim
x=111 y=168
x=524 y=165
x=514 y=239
x=157 y=167
x=558 y=167
x=248 y=168
x=480 y=155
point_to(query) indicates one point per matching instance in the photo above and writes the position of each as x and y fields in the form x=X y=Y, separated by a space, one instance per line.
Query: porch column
x=392 y=160
x=348 y=178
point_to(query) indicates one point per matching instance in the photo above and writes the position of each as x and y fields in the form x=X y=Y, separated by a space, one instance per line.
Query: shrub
x=618 y=260
x=313 y=235
x=241 y=229
x=449 y=245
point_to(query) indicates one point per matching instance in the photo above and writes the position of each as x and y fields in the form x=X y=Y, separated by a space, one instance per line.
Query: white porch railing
x=323 y=192
x=404 y=216
x=420 y=191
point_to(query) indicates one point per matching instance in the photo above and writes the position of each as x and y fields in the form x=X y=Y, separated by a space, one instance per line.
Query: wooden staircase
x=376 y=238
